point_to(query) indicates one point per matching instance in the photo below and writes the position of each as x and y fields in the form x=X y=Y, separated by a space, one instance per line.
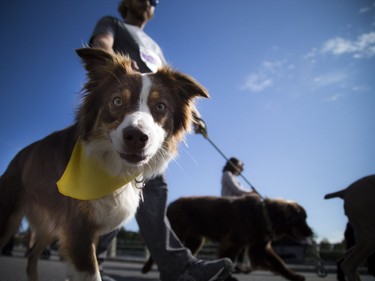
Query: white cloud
x=338 y=46
x=267 y=74
x=360 y=88
x=272 y=66
x=311 y=55
x=333 y=98
x=329 y=79
x=256 y=82
x=363 y=47
x=364 y=10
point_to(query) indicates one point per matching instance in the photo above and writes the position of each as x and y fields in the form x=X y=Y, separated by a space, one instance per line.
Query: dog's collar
x=84 y=179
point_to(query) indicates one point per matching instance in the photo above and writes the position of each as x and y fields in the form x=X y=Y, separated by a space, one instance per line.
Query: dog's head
x=130 y=120
x=288 y=218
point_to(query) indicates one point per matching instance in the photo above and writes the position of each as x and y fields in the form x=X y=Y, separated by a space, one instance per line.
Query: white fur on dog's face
x=142 y=120
x=130 y=107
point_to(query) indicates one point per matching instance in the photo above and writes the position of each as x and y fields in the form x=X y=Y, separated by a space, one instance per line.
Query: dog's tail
x=339 y=194
x=11 y=211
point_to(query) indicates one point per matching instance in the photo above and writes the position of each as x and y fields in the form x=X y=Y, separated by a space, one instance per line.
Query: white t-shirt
x=230 y=186
x=150 y=52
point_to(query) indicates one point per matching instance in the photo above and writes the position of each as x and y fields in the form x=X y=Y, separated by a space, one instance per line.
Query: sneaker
x=218 y=270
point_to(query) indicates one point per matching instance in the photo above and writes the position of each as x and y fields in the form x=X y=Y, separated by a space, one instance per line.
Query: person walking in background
x=230 y=185
x=175 y=262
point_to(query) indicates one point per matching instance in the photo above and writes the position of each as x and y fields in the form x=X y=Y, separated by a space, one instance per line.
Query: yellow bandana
x=83 y=179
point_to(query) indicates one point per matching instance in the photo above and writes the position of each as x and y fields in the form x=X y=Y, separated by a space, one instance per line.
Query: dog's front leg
x=80 y=251
x=265 y=257
x=84 y=263
x=40 y=243
x=33 y=256
x=229 y=249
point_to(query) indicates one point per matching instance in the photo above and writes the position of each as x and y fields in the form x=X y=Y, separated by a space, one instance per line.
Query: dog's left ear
x=191 y=86
x=185 y=84
x=97 y=60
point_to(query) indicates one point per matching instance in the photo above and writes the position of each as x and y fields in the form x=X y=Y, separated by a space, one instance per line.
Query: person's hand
x=200 y=127
x=135 y=65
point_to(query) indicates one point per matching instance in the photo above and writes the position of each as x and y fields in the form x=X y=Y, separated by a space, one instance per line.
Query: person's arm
x=103 y=35
x=104 y=40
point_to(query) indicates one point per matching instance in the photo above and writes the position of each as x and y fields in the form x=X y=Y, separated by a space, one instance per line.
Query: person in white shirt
x=230 y=185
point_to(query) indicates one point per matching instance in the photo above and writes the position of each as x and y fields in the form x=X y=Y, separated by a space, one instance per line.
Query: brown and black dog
x=127 y=128
x=238 y=222
x=359 y=206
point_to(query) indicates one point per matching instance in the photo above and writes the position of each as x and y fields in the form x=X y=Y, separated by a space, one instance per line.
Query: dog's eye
x=117 y=102
x=160 y=107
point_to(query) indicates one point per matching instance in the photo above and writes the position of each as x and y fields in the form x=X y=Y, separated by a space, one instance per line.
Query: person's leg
x=175 y=262
x=103 y=245
x=101 y=252
x=154 y=227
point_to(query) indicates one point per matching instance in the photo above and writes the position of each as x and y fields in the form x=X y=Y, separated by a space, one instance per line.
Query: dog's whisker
x=190 y=156
x=181 y=168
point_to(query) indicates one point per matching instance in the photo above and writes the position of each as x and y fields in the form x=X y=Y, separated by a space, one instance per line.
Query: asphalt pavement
x=14 y=269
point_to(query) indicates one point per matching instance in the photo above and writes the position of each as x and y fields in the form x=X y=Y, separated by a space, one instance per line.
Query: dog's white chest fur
x=112 y=210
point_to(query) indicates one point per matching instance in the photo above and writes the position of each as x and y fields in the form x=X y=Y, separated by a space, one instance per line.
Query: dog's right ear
x=98 y=60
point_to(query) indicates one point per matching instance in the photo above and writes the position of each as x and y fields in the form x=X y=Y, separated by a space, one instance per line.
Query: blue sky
x=291 y=82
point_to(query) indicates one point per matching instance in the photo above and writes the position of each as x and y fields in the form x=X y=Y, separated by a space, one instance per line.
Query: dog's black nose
x=134 y=139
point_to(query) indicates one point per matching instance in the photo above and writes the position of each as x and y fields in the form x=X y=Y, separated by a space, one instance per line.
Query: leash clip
x=140 y=184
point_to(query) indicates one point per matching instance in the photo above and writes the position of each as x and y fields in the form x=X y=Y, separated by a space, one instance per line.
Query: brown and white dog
x=359 y=206
x=129 y=124
x=238 y=222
